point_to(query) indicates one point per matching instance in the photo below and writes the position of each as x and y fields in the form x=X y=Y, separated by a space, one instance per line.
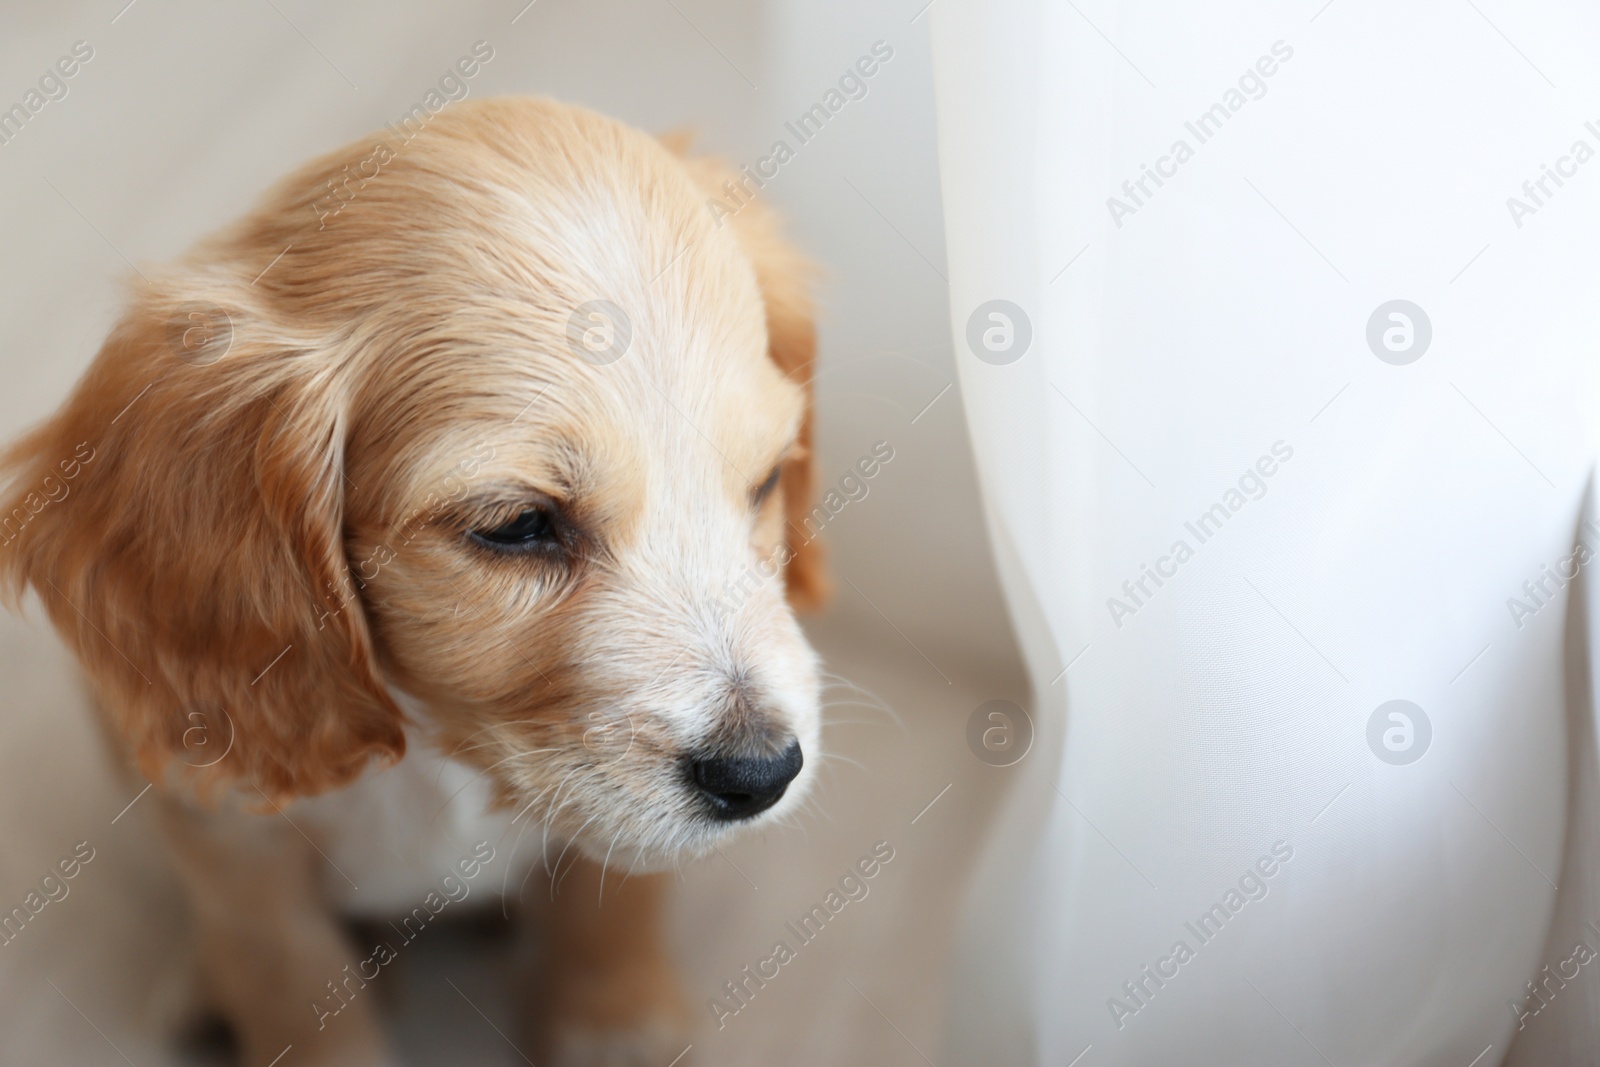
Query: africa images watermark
x=1202 y=128
x=1203 y=528
x=1542 y=589
x=52 y=489
x=53 y=888
x=852 y=487
x=1538 y=995
x=1537 y=191
x=1399 y=732
x=53 y=85
x=1252 y=886
x=999 y=732
x=436 y=503
x=453 y=889
x=852 y=887
x=453 y=86
x=852 y=85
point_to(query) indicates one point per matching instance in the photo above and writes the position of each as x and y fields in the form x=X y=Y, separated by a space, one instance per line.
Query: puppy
x=453 y=487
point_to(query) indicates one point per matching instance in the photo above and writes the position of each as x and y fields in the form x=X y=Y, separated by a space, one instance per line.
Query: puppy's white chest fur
x=395 y=833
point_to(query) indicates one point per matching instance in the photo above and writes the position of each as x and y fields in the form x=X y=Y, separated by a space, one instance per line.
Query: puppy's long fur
x=305 y=439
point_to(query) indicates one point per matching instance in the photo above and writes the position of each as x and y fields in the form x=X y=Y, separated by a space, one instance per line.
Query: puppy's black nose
x=744 y=786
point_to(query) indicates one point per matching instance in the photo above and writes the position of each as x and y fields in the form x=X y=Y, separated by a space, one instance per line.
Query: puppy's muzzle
x=742 y=787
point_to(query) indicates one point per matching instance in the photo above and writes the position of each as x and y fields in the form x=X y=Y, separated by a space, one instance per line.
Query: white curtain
x=1285 y=428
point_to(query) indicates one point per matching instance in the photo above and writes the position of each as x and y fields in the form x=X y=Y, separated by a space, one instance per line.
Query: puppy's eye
x=758 y=496
x=529 y=528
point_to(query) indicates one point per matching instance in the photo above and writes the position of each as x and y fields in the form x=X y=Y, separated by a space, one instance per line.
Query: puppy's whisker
x=493 y=726
x=571 y=799
x=561 y=876
x=523 y=811
x=559 y=786
x=604 y=865
x=835 y=679
x=554 y=883
x=550 y=816
x=847 y=699
x=869 y=698
x=863 y=695
x=846 y=702
x=825 y=758
x=532 y=802
x=550 y=812
x=505 y=882
x=829 y=707
x=479 y=774
x=629 y=874
x=811 y=810
x=523 y=886
x=839 y=681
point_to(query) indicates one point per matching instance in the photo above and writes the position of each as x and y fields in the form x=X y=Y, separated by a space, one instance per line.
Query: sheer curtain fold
x=1286 y=486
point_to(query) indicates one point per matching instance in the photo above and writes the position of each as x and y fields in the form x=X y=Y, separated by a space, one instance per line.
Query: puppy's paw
x=654 y=1043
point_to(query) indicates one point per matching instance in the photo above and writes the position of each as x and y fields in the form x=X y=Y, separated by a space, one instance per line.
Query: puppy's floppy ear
x=181 y=519
x=785 y=277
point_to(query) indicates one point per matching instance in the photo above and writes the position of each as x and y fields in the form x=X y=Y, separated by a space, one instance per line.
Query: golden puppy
x=460 y=472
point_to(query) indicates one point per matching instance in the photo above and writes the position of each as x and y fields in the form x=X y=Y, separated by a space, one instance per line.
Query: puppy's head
x=498 y=417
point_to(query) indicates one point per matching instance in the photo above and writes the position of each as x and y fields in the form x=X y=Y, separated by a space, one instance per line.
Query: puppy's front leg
x=268 y=945
x=608 y=993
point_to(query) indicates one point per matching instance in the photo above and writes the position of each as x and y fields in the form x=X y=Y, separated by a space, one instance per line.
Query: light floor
x=95 y=977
